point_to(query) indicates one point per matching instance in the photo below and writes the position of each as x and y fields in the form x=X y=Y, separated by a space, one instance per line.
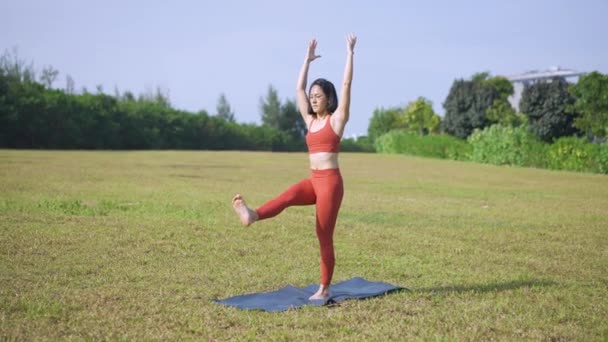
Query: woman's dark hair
x=328 y=90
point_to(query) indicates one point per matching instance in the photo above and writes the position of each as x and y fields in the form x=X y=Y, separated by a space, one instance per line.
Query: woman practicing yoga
x=325 y=119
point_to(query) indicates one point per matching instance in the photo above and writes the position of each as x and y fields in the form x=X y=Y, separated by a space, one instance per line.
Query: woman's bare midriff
x=323 y=160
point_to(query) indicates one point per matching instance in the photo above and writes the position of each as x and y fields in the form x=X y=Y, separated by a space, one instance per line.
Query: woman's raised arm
x=301 y=96
x=343 y=111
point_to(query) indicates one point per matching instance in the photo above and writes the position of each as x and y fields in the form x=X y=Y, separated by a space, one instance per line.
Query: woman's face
x=318 y=100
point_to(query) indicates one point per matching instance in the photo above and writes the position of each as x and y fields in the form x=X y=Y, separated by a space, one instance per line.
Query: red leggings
x=325 y=189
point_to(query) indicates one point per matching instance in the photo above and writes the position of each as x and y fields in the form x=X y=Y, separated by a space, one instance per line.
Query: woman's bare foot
x=247 y=215
x=322 y=293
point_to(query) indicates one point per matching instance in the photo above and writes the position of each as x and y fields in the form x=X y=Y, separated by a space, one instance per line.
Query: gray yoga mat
x=290 y=297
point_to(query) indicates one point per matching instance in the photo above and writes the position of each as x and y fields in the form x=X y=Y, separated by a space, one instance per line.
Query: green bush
x=501 y=145
x=434 y=146
x=601 y=158
x=361 y=144
x=537 y=154
x=572 y=154
x=505 y=145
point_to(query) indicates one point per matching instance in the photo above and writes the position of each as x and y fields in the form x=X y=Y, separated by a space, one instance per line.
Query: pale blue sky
x=199 y=49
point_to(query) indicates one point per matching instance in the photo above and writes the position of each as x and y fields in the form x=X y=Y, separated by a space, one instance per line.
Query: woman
x=325 y=119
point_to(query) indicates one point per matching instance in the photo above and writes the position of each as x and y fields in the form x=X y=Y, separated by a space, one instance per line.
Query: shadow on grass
x=491 y=287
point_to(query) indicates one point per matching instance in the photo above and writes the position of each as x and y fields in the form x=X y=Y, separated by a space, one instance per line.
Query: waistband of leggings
x=325 y=172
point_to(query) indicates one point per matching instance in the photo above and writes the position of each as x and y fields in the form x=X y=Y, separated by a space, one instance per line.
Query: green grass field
x=135 y=245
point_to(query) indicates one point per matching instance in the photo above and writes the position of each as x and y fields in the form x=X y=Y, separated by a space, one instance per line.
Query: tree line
x=558 y=126
x=35 y=115
x=548 y=109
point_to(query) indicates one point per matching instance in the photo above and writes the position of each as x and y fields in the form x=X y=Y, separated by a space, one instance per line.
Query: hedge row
x=501 y=145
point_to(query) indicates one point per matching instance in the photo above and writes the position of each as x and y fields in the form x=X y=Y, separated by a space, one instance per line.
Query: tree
x=16 y=68
x=270 y=108
x=223 y=109
x=502 y=85
x=283 y=117
x=545 y=104
x=159 y=96
x=480 y=76
x=69 y=84
x=419 y=117
x=49 y=74
x=501 y=111
x=383 y=121
x=290 y=120
x=128 y=96
x=591 y=93
x=503 y=114
x=162 y=97
x=467 y=104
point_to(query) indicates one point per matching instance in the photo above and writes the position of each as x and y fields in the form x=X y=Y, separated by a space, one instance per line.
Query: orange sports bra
x=323 y=140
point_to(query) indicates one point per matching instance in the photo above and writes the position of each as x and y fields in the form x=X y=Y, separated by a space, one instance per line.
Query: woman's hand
x=310 y=56
x=351 y=40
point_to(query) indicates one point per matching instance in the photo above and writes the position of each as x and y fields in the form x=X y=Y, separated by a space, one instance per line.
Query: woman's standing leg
x=329 y=188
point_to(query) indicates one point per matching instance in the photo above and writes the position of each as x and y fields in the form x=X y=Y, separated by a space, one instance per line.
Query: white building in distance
x=529 y=77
